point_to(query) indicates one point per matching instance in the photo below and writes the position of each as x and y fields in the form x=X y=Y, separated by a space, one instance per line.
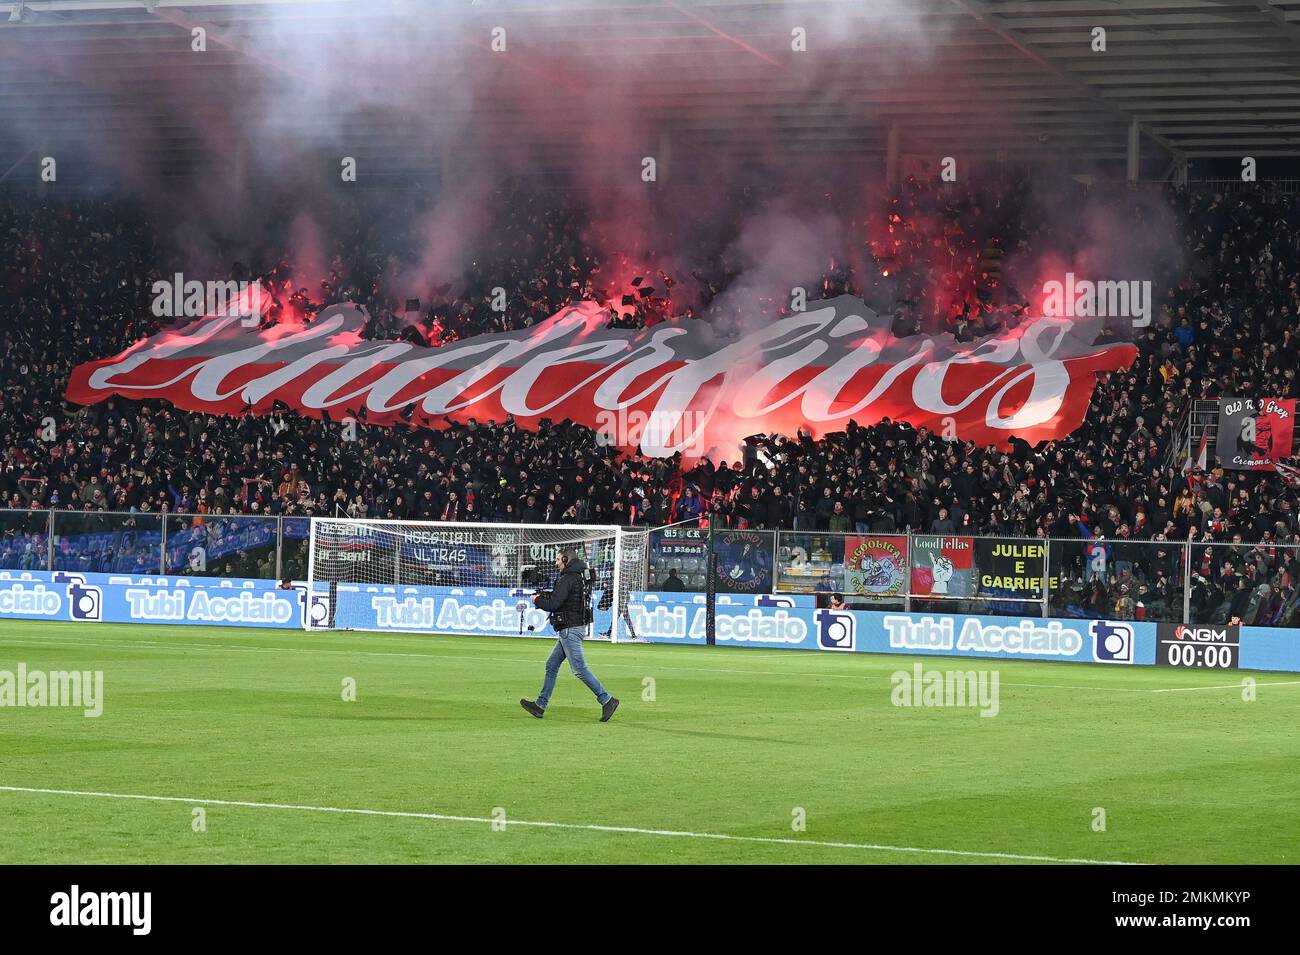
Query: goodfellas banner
x=675 y=387
x=1255 y=433
x=942 y=566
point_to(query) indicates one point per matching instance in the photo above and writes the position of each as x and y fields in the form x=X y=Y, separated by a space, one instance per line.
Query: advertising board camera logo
x=1111 y=642
x=85 y=601
x=771 y=600
x=836 y=630
x=315 y=607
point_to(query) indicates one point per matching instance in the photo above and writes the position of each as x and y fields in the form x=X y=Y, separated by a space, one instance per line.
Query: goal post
x=471 y=578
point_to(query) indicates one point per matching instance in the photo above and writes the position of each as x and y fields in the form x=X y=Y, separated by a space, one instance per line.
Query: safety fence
x=1101 y=579
x=190 y=545
x=1119 y=579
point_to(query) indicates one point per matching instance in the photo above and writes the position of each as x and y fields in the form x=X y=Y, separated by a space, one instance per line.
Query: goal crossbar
x=465 y=577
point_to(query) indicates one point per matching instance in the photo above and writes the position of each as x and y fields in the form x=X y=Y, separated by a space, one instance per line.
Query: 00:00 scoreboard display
x=1200 y=648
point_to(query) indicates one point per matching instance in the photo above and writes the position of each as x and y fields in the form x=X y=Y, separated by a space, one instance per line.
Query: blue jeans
x=569 y=647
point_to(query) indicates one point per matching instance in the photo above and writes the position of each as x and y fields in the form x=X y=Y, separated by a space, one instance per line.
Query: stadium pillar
x=162 y=547
x=776 y=550
x=279 y=547
x=615 y=604
x=907 y=564
x=1047 y=576
x=49 y=542
x=1187 y=583
x=892 y=140
x=1134 y=137
x=710 y=591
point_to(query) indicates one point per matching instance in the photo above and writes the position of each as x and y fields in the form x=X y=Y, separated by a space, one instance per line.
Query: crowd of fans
x=75 y=277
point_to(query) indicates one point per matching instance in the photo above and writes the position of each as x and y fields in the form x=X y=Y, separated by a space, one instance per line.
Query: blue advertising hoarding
x=118 y=598
x=785 y=621
x=1269 y=648
x=872 y=631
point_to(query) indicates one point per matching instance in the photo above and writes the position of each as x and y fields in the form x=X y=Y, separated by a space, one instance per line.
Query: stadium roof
x=1018 y=78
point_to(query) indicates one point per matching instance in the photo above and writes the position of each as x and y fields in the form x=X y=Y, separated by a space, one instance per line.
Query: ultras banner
x=876 y=565
x=675 y=387
x=1255 y=433
x=743 y=562
x=1010 y=568
x=943 y=566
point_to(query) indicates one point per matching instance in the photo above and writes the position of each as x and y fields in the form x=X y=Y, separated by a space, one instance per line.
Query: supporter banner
x=943 y=566
x=195 y=548
x=1010 y=568
x=688 y=542
x=124 y=551
x=743 y=561
x=683 y=548
x=673 y=387
x=1255 y=433
x=875 y=566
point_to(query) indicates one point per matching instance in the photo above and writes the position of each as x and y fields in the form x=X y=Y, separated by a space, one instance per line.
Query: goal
x=440 y=577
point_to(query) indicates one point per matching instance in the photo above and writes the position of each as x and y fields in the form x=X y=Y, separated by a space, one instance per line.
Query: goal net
x=438 y=577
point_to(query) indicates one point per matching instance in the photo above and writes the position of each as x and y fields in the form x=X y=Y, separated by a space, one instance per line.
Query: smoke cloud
x=443 y=103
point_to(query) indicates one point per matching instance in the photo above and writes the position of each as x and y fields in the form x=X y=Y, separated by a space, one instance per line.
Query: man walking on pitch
x=569 y=605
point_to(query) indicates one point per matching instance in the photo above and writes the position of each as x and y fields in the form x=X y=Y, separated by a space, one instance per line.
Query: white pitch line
x=1223 y=686
x=588 y=827
x=185 y=648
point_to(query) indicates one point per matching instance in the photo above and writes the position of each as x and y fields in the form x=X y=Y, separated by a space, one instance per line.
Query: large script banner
x=674 y=387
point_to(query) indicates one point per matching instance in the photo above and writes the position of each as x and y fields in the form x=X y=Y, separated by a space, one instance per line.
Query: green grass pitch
x=734 y=743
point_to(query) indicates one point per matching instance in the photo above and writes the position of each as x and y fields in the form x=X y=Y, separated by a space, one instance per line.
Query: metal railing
x=1165 y=581
x=1114 y=579
x=1199 y=419
x=1281 y=186
x=189 y=545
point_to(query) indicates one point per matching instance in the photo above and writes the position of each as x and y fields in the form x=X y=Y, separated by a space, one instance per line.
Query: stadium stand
x=1225 y=327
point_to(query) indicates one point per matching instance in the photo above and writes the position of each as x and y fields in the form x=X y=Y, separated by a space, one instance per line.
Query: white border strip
x=588 y=827
x=1222 y=686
